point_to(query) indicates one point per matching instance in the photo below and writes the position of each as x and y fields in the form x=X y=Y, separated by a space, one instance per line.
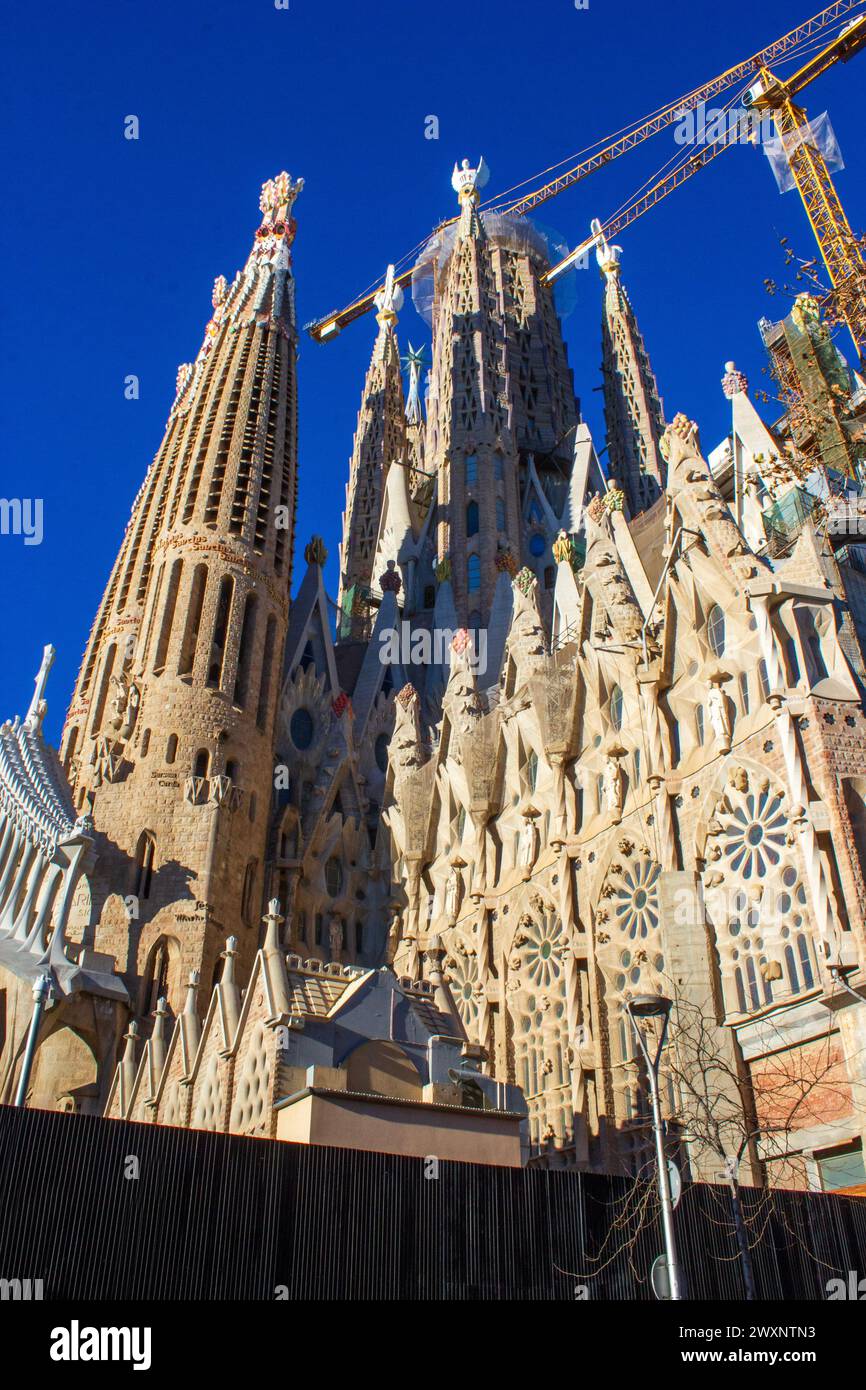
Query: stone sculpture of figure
x=453 y=893
x=720 y=721
x=395 y=935
x=526 y=641
x=406 y=750
x=613 y=788
x=335 y=937
x=528 y=846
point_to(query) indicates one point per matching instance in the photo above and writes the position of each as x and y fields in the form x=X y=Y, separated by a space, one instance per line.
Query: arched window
x=616 y=707
x=201 y=763
x=193 y=621
x=334 y=876
x=636 y=756
x=532 y=771
x=248 y=895
x=805 y=962
x=763 y=679
x=791 y=966
x=156 y=977
x=716 y=630
x=70 y=749
x=699 y=722
x=145 y=743
x=102 y=696
x=473 y=573
x=743 y=682
x=359 y=938
x=267 y=669
x=233 y=770
x=144 y=864
x=472 y=519
x=245 y=651
x=171 y=749
x=754 y=992
x=167 y=618
x=220 y=630
x=472 y=468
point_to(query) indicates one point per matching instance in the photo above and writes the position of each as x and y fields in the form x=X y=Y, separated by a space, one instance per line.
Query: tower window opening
x=472 y=519
x=716 y=630
x=220 y=631
x=248 y=895
x=743 y=682
x=473 y=573
x=171 y=749
x=616 y=707
x=763 y=679
x=144 y=865
x=201 y=764
x=145 y=743
x=267 y=668
x=193 y=621
x=167 y=618
x=245 y=652
x=472 y=468
x=102 y=694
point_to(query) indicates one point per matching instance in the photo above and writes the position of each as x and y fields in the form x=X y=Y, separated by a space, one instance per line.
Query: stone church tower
x=632 y=409
x=168 y=739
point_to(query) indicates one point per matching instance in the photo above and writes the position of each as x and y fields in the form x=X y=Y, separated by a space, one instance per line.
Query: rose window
x=635 y=899
x=753 y=834
x=463 y=982
x=540 y=945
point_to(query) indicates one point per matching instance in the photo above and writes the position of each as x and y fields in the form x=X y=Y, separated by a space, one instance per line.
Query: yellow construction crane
x=836 y=241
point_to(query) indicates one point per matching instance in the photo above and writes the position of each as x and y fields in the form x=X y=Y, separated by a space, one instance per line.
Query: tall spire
x=633 y=411
x=380 y=441
x=415 y=427
x=501 y=395
x=170 y=722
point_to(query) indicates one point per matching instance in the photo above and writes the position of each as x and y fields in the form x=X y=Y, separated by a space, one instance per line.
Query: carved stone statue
x=528 y=846
x=720 y=720
x=406 y=748
x=453 y=893
x=613 y=788
x=335 y=938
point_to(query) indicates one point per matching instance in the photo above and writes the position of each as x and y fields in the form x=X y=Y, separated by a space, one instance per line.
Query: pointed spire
x=466 y=183
x=380 y=441
x=38 y=705
x=632 y=409
x=413 y=361
x=159 y=1038
x=230 y=995
x=273 y=920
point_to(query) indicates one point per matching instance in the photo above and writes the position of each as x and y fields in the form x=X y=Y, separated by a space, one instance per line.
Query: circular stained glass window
x=537 y=544
x=302 y=728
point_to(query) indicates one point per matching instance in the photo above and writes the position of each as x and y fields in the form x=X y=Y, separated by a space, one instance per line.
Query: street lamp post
x=41 y=998
x=658 y=1006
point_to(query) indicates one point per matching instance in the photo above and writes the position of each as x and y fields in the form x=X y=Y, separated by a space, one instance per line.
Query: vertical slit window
x=220 y=632
x=102 y=694
x=245 y=651
x=267 y=667
x=193 y=621
x=167 y=618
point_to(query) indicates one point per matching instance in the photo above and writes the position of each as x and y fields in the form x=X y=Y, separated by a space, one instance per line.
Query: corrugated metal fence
x=104 y=1209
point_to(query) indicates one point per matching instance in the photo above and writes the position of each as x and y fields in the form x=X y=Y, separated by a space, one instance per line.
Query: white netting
x=818 y=133
x=517 y=234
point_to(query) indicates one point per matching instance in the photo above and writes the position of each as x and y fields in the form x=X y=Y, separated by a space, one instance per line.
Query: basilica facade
x=571 y=734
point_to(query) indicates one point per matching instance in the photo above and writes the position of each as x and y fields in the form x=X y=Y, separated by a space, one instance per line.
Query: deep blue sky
x=110 y=247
